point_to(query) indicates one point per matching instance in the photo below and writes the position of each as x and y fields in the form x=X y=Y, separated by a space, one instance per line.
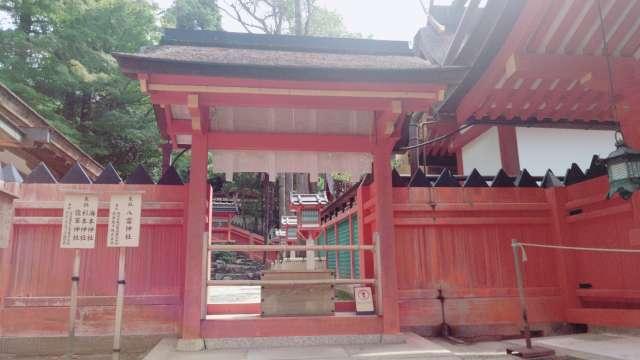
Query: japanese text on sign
x=124 y=220
x=79 y=221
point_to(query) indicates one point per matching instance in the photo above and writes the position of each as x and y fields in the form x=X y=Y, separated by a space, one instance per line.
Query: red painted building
x=276 y=104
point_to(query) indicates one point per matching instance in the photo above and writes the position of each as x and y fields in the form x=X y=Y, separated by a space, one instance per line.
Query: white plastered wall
x=483 y=153
x=540 y=149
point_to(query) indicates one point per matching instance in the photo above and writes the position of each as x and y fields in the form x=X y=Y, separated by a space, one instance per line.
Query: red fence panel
x=35 y=295
x=459 y=240
x=607 y=285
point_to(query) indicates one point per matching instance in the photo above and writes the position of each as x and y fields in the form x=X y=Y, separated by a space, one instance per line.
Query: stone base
x=287 y=341
x=190 y=345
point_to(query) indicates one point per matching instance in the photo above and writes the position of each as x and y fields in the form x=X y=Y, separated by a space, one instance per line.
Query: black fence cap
x=76 y=175
x=108 y=176
x=40 y=175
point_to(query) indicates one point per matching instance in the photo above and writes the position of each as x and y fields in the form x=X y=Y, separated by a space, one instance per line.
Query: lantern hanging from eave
x=623 y=167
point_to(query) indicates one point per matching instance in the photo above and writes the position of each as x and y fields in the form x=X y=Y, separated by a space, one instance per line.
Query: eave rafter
x=555 y=86
x=553 y=63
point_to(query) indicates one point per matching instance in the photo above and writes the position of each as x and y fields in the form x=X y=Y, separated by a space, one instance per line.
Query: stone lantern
x=307 y=208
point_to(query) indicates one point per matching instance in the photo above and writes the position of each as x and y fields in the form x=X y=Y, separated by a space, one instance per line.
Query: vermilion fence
x=603 y=288
x=458 y=240
x=36 y=273
x=452 y=239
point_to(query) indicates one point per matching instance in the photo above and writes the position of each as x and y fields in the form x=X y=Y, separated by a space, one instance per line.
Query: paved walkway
x=592 y=346
x=415 y=348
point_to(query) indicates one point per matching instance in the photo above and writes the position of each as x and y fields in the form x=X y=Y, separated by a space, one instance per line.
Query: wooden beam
x=605 y=317
x=260 y=248
x=295 y=102
x=449 y=221
x=211 y=89
x=51 y=220
x=386 y=123
x=288 y=142
x=509 y=150
x=199 y=114
x=289 y=282
x=467 y=136
x=52 y=204
x=144 y=86
x=176 y=79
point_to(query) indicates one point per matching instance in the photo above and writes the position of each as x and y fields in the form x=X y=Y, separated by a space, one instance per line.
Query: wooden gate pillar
x=194 y=301
x=384 y=226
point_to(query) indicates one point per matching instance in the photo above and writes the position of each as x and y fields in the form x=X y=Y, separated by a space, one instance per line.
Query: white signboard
x=79 y=220
x=6 y=217
x=364 y=300
x=124 y=220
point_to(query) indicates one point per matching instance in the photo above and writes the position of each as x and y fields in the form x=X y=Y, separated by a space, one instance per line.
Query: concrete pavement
x=590 y=346
x=415 y=347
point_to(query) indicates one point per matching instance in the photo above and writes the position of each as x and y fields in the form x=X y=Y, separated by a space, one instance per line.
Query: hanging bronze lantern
x=623 y=166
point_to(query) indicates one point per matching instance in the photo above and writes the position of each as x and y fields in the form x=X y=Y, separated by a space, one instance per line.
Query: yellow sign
x=79 y=220
x=124 y=220
x=364 y=300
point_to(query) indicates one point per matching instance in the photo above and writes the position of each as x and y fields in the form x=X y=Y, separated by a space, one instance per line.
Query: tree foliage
x=193 y=15
x=57 y=56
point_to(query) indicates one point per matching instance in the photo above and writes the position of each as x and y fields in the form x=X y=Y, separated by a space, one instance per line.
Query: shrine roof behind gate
x=278 y=104
x=284 y=57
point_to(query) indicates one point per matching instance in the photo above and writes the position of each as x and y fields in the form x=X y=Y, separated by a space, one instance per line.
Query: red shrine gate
x=282 y=112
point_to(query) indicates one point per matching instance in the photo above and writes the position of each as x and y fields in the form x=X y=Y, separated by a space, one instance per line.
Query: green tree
x=192 y=15
x=293 y=17
x=57 y=56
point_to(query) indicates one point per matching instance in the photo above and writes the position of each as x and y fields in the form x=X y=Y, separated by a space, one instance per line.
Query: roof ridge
x=335 y=45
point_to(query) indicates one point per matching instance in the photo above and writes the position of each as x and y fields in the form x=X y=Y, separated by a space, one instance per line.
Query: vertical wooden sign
x=79 y=220
x=124 y=220
x=125 y=211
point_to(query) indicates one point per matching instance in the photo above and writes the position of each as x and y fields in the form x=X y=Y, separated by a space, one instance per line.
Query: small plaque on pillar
x=364 y=300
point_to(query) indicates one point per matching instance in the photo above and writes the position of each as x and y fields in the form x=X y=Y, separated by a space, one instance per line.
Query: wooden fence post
x=75 y=280
x=119 y=303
